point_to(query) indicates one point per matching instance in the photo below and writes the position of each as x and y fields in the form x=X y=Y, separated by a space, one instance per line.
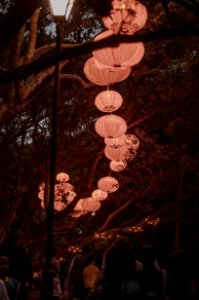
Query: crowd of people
x=122 y=275
x=117 y=273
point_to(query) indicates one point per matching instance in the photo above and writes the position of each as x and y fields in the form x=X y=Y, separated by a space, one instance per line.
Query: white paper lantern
x=104 y=76
x=110 y=126
x=108 y=184
x=126 y=17
x=117 y=166
x=117 y=154
x=89 y=204
x=59 y=206
x=108 y=101
x=124 y=55
x=62 y=177
x=99 y=195
x=115 y=142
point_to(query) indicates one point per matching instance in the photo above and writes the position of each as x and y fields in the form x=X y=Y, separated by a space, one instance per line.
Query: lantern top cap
x=61 y=8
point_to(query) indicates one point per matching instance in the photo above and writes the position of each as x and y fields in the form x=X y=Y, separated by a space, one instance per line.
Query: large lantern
x=89 y=204
x=104 y=76
x=115 y=142
x=124 y=55
x=108 y=184
x=117 y=166
x=110 y=126
x=99 y=195
x=108 y=101
x=62 y=177
x=117 y=154
x=126 y=17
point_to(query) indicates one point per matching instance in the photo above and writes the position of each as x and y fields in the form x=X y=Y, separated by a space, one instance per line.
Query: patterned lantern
x=115 y=142
x=89 y=204
x=110 y=126
x=117 y=166
x=70 y=196
x=42 y=186
x=108 y=101
x=117 y=154
x=132 y=141
x=104 y=76
x=99 y=195
x=124 y=55
x=62 y=177
x=126 y=17
x=108 y=184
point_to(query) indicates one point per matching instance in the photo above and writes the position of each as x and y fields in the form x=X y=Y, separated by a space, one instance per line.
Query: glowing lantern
x=117 y=166
x=126 y=17
x=42 y=204
x=115 y=142
x=118 y=154
x=89 y=204
x=70 y=196
x=108 y=101
x=110 y=126
x=132 y=141
x=42 y=186
x=63 y=188
x=62 y=177
x=124 y=55
x=41 y=195
x=108 y=184
x=104 y=76
x=99 y=195
x=59 y=206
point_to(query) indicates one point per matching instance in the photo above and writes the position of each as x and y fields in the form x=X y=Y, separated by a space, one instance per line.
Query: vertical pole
x=48 y=272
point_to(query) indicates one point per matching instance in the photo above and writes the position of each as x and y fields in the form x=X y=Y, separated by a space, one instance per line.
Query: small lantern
x=89 y=204
x=99 y=195
x=117 y=166
x=62 y=177
x=110 y=126
x=124 y=55
x=104 y=76
x=108 y=184
x=108 y=101
x=59 y=206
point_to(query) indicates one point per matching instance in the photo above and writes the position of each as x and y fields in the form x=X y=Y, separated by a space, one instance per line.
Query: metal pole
x=48 y=272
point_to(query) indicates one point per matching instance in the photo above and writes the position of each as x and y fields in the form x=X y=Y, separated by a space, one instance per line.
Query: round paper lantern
x=70 y=196
x=59 y=206
x=62 y=177
x=124 y=55
x=41 y=195
x=110 y=126
x=117 y=166
x=115 y=142
x=99 y=195
x=63 y=188
x=89 y=204
x=78 y=206
x=126 y=17
x=132 y=141
x=42 y=204
x=42 y=186
x=104 y=76
x=108 y=101
x=117 y=154
x=108 y=184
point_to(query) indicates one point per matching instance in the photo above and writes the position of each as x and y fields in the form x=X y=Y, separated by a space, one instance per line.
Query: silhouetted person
x=19 y=266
